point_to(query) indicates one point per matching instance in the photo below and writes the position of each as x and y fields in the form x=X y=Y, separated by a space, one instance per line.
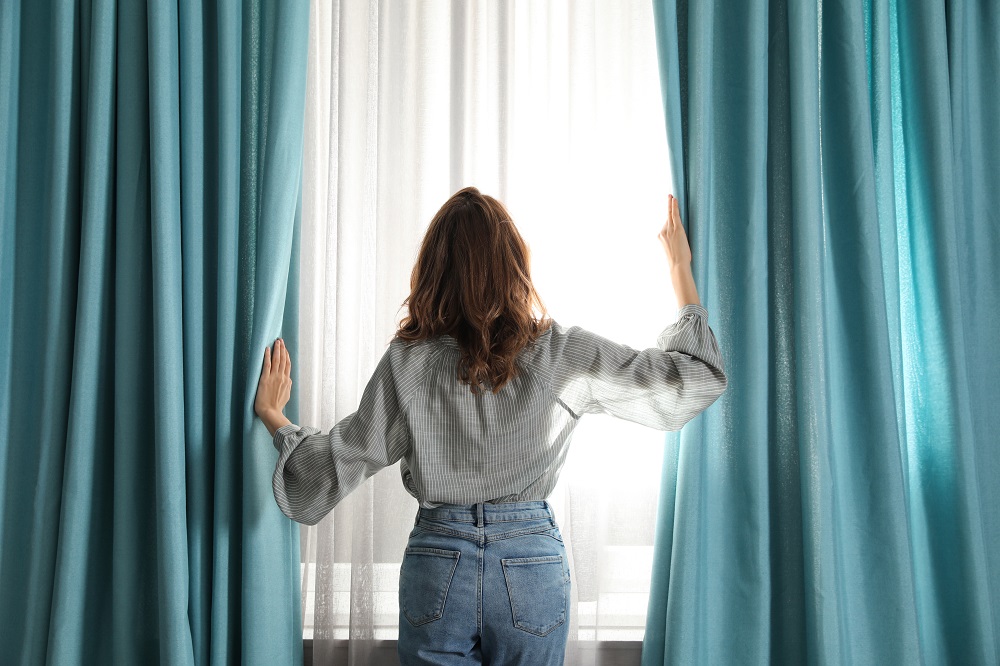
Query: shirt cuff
x=281 y=433
x=692 y=308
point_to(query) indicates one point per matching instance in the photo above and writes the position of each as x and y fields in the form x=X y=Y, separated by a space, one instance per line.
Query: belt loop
x=479 y=514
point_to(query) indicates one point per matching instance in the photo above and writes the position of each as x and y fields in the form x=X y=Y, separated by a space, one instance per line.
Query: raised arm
x=662 y=387
x=316 y=470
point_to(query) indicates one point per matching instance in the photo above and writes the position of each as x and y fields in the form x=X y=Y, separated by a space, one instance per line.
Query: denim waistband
x=483 y=513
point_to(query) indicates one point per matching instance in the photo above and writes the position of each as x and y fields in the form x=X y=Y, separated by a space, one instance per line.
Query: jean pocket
x=424 y=578
x=538 y=590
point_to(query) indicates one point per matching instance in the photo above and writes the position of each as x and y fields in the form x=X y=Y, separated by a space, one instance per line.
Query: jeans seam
x=514 y=520
x=517 y=533
x=457 y=533
x=481 y=562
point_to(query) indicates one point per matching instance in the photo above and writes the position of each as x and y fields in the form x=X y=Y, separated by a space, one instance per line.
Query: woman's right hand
x=673 y=237
x=675 y=244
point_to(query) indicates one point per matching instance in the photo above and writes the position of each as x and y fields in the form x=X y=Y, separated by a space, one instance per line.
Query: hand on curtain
x=275 y=387
x=675 y=243
x=673 y=237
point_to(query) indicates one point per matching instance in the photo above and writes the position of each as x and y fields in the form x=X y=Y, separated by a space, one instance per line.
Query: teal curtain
x=836 y=164
x=150 y=191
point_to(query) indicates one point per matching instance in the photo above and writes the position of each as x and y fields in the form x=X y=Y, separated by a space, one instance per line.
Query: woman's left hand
x=275 y=386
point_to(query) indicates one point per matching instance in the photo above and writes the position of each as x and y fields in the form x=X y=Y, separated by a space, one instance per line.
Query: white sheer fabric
x=554 y=107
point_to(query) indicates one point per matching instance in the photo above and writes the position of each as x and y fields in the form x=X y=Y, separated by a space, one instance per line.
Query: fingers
x=267 y=361
x=667 y=224
x=279 y=361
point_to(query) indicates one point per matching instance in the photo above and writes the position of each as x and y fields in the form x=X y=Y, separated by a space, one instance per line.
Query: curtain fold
x=150 y=201
x=834 y=164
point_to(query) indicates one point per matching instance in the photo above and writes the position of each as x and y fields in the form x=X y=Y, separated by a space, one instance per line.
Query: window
x=555 y=108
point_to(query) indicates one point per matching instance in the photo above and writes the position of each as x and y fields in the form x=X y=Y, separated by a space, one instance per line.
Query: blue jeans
x=484 y=584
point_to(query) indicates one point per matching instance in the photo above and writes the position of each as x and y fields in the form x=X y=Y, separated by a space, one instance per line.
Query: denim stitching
x=551 y=559
x=516 y=533
x=445 y=530
x=438 y=552
x=480 y=560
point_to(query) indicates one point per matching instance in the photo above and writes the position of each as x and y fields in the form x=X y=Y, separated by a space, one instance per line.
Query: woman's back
x=458 y=447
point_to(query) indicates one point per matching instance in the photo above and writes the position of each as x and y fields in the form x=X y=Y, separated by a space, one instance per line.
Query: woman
x=478 y=399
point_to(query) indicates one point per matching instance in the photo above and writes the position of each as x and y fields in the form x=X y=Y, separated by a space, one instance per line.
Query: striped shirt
x=460 y=448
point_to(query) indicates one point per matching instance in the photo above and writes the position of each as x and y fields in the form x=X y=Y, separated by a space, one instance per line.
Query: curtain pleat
x=839 y=505
x=150 y=200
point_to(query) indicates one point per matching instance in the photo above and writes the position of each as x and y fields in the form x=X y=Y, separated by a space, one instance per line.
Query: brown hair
x=471 y=281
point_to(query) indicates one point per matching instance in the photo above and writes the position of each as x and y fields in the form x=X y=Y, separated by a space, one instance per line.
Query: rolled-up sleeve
x=316 y=470
x=662 y=387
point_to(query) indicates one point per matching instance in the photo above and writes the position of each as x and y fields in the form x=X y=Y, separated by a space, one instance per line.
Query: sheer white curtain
x=554 y=107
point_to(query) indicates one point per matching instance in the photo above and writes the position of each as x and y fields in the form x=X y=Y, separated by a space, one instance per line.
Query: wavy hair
x=472 y=281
